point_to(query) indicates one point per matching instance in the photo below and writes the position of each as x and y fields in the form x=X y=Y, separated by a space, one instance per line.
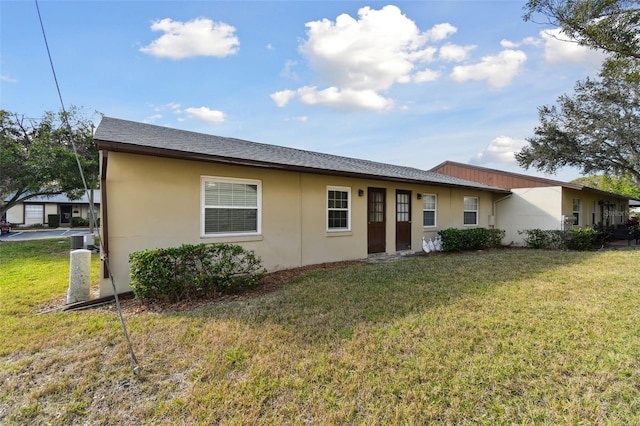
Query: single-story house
x=163 y=187
x=540 y=203
x=36 y=210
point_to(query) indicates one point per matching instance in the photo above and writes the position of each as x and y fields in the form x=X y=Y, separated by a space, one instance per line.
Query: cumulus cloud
x=441 y=32
x=499 y=70
x=207 y=115
x=559 y=48
x=501 y=150
x=426 y=75
x=359 y=58
x=283 y=97
x=198 y=37
x=454 y=53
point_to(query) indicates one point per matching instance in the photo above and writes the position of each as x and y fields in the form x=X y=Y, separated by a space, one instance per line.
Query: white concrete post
x=79 y=276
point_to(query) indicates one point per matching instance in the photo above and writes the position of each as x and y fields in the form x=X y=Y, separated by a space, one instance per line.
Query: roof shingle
x=128 y=136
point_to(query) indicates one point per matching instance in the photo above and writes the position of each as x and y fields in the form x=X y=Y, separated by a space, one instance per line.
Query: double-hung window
x=576 y=211
x=338 y=208
x=470 y=210
x=230 y=206
x=429 y=204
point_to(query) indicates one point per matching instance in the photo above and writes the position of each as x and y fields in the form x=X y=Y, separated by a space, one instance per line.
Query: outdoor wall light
x=360 y=192
x=419 y=196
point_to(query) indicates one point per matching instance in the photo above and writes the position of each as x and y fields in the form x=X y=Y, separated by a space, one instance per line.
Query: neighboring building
x=164 y=187
x=634 y=207
x=539 y=203
x=36 y=210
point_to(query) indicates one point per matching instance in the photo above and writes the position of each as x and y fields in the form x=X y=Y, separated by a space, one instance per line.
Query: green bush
x=53 y=220
x=544 y=239
x=573 y=239
x=78 y=222
x=454 y=239
x=584 y=239
x=191 y=271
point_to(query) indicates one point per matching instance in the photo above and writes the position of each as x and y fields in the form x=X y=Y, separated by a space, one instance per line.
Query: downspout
x=104 y=218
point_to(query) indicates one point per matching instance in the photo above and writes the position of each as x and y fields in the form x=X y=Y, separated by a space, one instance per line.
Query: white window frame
x=203 y=207
x=347 y=209
x=434 y=210
x=465 y=210
x=576 y=213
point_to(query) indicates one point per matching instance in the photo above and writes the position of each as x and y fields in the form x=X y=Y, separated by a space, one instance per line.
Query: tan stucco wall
x=155 y=202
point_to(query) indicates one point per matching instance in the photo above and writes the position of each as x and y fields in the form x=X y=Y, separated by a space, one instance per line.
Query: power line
x=136 y=366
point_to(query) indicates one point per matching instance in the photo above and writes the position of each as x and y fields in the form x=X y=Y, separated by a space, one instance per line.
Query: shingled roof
x=119 y=135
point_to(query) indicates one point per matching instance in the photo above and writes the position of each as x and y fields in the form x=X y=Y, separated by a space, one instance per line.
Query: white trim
x=477 y=210
x=434 y=210
x=346 y=189
x=258 y=183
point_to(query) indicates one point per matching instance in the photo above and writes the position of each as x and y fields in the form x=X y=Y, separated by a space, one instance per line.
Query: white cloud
x=359 y=58
x=283 y=97
x=346 y=99
x=501 y=150
x=559 y=48
x=198 y=37
x=498 y=70
x=8 y=79
x=441 y=31
x=152 y=118
x=426 y=75
x=454 y=53
x=207 y=115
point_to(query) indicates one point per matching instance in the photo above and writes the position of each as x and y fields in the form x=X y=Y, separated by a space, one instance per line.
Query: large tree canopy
x=37 y=157
x=623 y=186
x=597 y=129
x=610 y=25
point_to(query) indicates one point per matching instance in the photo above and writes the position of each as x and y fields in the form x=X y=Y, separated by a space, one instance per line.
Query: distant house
x=540 y=203
x=164 y=187
x=36 y=210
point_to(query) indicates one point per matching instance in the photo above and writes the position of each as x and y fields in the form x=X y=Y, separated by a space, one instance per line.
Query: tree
x=597 y=129
x=610 y=25
x=623 y=185
x=37 y=156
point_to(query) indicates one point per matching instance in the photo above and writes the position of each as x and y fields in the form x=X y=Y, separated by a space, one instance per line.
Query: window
x=231 y=206
x=576 y=211
x=34 y=211
x=470 y=210
x=429 y=210
x=338 y=208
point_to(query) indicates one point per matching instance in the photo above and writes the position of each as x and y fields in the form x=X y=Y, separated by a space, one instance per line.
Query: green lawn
x=496 y=337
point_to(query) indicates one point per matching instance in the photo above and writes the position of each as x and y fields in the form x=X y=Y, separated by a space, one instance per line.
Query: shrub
x=573 y=239
x=544 y=239
x=583 y=239
x=78 y=222
x=190 y=271
x=454 y=239
x=53 y=220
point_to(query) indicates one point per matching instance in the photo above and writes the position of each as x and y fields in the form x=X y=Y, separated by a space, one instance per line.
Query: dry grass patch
x=514 y=336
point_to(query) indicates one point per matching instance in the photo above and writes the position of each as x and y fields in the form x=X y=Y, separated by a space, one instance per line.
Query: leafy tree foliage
x=597 y=129
x=623 y=185
x=610 y=25
x=37 y=157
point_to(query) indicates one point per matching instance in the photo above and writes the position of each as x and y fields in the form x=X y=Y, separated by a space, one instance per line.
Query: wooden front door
x=376 y=219
x=403 y=220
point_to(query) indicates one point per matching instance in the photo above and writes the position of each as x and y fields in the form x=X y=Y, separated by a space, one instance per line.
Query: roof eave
x=193 y=156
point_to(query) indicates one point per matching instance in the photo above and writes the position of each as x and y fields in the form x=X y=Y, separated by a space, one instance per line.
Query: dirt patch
x=269 y=283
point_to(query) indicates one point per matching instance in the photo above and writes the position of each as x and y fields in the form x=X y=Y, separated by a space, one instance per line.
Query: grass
x=495 y=337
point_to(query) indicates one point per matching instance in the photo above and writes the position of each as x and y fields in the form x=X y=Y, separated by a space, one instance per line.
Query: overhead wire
x=65 y=117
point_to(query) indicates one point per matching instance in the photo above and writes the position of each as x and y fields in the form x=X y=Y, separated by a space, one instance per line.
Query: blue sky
x=413 y=83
